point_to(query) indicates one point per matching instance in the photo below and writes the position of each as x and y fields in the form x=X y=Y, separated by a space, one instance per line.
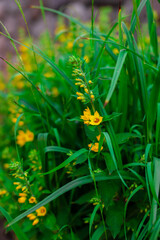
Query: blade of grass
x=119 y=65
x=92 y=218
x=67 y=161
x=116 y=162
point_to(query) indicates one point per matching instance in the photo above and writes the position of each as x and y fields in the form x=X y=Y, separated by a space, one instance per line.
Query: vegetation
x=80 y=130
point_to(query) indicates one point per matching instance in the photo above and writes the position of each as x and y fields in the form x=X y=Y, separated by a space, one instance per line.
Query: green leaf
x=92 y=218
x=124 y=137
x=114 y=218
x=107 y=196
x=109 y=143
x=111 y=116
x=68 y=160
x=42 y=143
x=91 y=132
x=140 y=7
x=98 y=233
x=119 y=65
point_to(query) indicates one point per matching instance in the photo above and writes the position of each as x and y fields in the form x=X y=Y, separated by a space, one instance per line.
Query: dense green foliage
x=80 y=131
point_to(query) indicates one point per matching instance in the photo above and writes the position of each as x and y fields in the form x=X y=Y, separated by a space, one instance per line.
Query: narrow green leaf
x=98 y=233
x=92 y=218
x=109 y=143
x=68 y=160
x=119 y=65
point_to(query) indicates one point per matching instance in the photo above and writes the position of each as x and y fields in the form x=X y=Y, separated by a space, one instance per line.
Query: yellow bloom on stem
x=32 y=200
x=21 y=199
x=87 y=115
x=29 y=136
x=94 y=147
x=41 y=211
x=35 y=221
x=95 y=119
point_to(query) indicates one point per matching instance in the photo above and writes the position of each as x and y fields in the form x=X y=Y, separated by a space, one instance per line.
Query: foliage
x=80 y=128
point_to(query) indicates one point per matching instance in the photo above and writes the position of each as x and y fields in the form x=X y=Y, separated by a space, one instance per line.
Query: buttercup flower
x=94 y=147
x=41 y=211
x=32 y=200
x=21 y=199
x=29 y=136
x=95 y=119
x=87 y=115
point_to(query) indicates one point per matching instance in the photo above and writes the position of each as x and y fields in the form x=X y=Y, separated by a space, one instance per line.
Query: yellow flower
x=22 y=194
x=21 y=199
x=86 y=58
x=81 y=45
x=87 y=115
x=21 y=138
x=2 y=86
x=6 y=165
x=31 y=216
x=41 y=211
x=55 y=92
x=29 y=136
x=16 y=183
x=18 y=187
x=95 y=119
x=3 y=191
x=98 y=137
x=94 y=147
x=115 y=51
x=32 y=200
x=70 y=45
x=35 y=221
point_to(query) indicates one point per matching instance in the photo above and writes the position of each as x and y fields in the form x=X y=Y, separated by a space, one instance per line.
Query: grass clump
x=82 y=115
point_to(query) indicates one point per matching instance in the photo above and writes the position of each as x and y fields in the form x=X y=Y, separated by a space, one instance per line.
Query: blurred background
x=11 y=17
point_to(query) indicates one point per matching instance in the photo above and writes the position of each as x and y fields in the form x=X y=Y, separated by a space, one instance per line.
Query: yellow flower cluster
x=81 y=80
x=35 y=163
x=40 y=212
x=24 y=137
x=26 y=58
x=89 y=119
x=15 y=113
x=18 y=81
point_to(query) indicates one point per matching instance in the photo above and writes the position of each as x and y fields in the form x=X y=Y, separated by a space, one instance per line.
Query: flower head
x=21 y=199
x=87 y=115
x=95 y=119
x=94 y=147
x=32 y=200
x=41 y=211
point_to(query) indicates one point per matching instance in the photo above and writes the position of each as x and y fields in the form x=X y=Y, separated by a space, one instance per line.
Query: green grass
x=83 y=108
